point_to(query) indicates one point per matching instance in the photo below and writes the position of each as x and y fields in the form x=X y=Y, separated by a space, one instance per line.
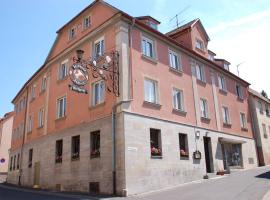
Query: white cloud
x=241 y=21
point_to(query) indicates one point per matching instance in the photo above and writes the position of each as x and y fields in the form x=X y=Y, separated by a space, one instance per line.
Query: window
x=199 y=44
x=14 y=163
x=58 y=151
x=239 y=92
x=30 y=124
x=222 y=83
x=99 y=48
x=11 y=163
x=183 y=144
x=30 y=158
x=18 y=161
x=75 y=147
x=267 y=111
x=32 y=92
x=178 y=100
x=61 y=107
x=204 y=109
x=226 y=115
x=155 y=143
x=261 y=107
x=174 y=60
x=98 y=92
x=148 y=47
x=153 y=25
x=72 y=33
x=86 y=22
x=264 y=131
x=43 y=84
x=226 y=66
x=63 y=70
x=243 y=120
x=150 y=91
x=41 y=118
x=95 y=144
x=200 y=72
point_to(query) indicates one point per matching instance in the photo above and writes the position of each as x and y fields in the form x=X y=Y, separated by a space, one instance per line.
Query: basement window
x=94 y=187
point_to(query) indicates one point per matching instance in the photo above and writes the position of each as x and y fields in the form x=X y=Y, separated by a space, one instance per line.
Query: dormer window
x=72 y=33
x=226 y=66
x=153 y=25
x=211 y=57
x=199 y=44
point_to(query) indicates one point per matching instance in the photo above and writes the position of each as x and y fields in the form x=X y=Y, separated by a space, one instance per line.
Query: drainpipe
x=24 y=130
x=114 y=109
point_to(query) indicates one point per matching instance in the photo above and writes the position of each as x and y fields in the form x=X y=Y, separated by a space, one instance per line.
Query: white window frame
x=243 y=120
x=43 y=84
x=226 y=66
x=145 y=51
x=151 y=98
x=178 y=104
x=98 y=97
x=204 y=108
x=261 y=107
x=61 y=108
x=30 y=124
x=41 y=117
x=226 y=115
x=175 y=60
x=33 y=92
x=101 y=50
x=199 y=44
x=87 y=25
x=72 y=33
x=239 y=92
x=199 y=72
x=62 y=74
x=222 y=83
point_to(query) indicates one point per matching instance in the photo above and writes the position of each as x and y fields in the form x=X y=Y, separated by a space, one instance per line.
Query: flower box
x=95 y=153
x=183 y=153
x=156 y=151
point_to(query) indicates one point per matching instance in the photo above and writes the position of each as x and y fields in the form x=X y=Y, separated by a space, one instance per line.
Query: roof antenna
x=237 y=66
x=176 y=17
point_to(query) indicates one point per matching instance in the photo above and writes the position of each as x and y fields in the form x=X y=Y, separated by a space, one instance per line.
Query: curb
x=266 y=196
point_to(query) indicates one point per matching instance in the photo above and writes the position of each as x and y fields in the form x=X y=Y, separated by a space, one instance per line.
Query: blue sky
x=239 y=32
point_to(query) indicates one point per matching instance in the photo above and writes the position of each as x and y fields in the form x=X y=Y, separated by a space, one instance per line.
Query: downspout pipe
x=24 y=130
x=114 y=110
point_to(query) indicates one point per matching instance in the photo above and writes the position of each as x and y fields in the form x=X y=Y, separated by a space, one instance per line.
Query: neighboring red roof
x=257 y=94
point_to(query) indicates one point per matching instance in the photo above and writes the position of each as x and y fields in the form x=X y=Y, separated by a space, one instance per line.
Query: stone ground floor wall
x=144 y=173
x=74 y=175
x=3 y=177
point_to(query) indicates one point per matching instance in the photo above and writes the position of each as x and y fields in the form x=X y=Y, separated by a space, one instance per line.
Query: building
x=5 y=144
x=259 y=108
x=180 y=112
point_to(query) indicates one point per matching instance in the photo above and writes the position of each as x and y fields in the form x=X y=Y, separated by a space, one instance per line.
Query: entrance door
x=36 y=174
x=208 y=154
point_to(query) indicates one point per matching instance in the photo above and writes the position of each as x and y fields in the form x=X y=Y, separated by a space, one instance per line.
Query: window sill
x=222 y=91
x=176 y=71
x=200 y=50
x=200 y=82
x=156 y=157
x=42 y=92
x=244 y=129
x=86 y=28
x=205 y=119
x=58 y=162
x=40 y=127
x=62 y=80
x=94 y=156
x=96 y=106
x=60 y=119
x=150 y=59
x=184 y=157
x=179 y=112
x=151 y=104
x=227 y=125
x=240 y=99
x=75 y=159
x=29 y=132
x=71 y=39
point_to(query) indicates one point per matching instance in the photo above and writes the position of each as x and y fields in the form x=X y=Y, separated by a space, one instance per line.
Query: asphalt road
x=244 y=185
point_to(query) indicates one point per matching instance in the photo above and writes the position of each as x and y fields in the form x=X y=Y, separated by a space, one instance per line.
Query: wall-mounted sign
x=2 y=160
x=197 y=155
x=79 y=77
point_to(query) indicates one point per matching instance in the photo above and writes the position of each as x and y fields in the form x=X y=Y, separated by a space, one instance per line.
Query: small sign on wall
x=2 y=160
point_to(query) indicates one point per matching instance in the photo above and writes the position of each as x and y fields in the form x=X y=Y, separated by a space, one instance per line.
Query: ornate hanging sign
x=105 y=66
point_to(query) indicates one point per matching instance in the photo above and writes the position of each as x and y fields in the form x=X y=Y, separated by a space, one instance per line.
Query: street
x=245 y=185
